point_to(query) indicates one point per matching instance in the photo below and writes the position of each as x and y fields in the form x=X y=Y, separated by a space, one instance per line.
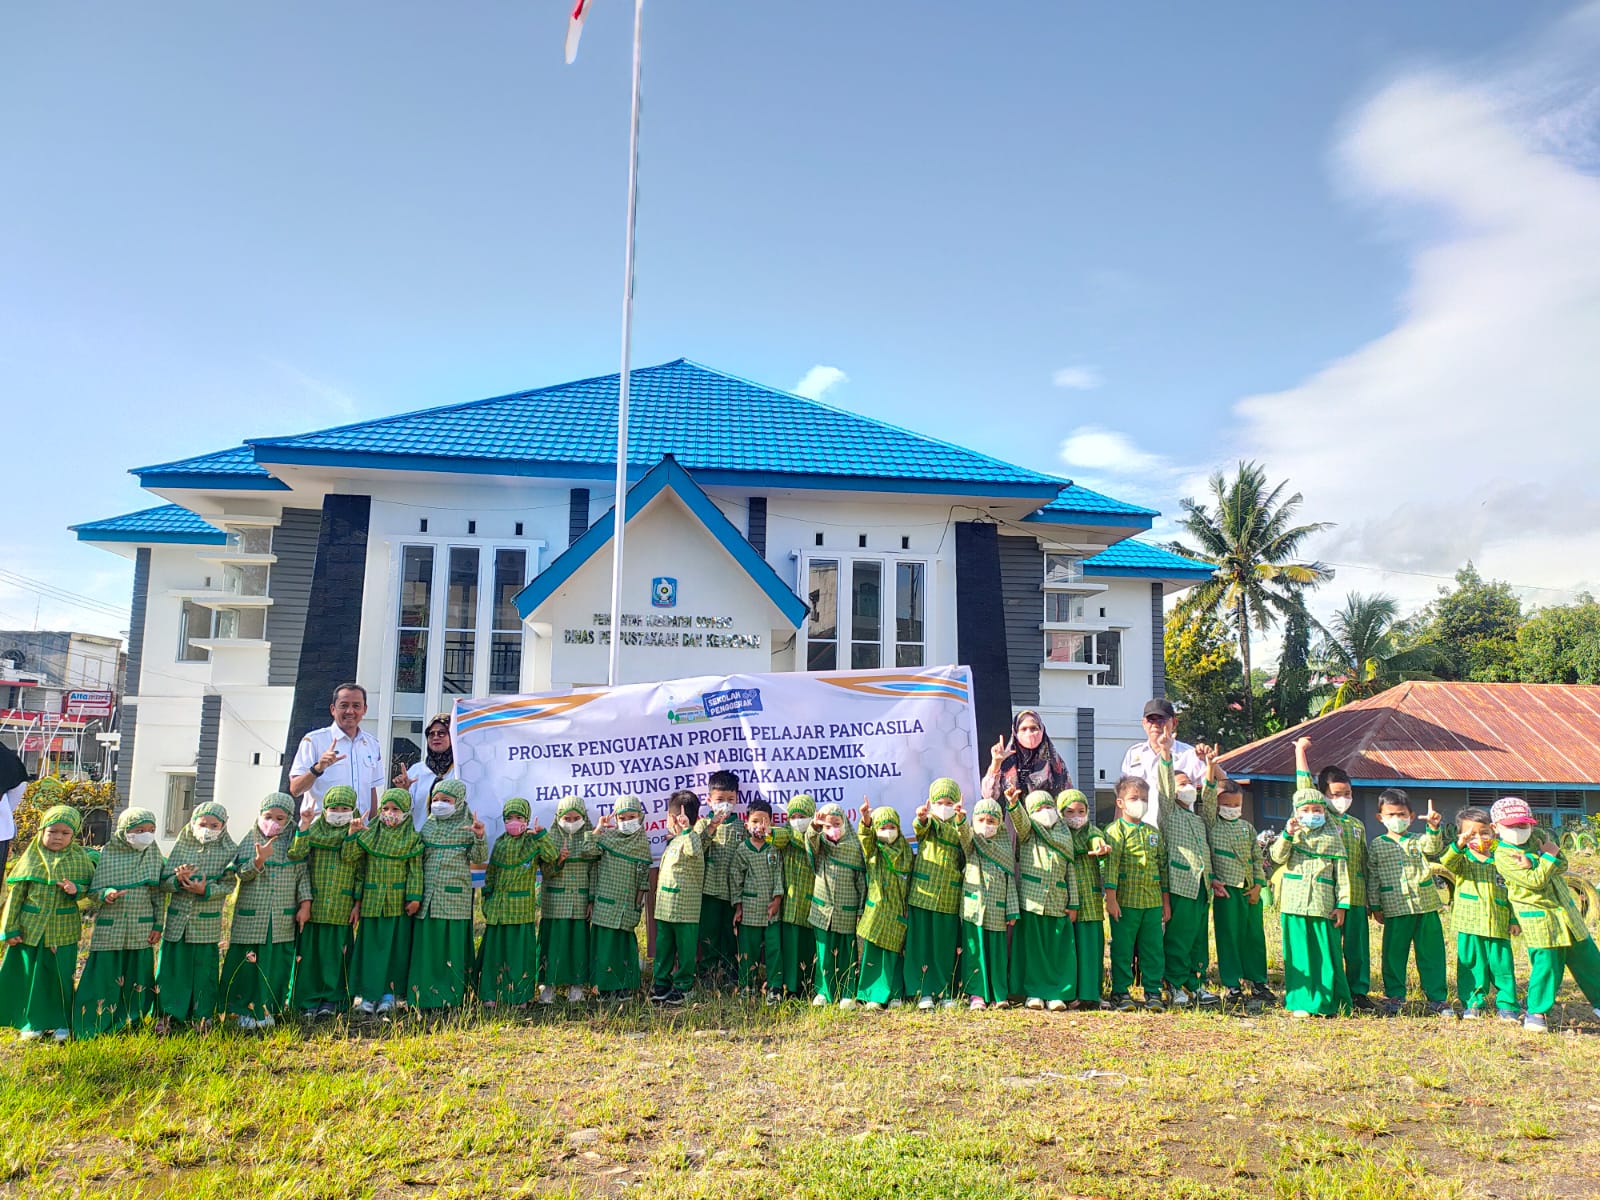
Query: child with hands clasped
x=126 y=905
x=1405 y=901
x=565 y=901
x=198 y=875
x=1481 y=918
x=1313 y=901
x=1044 y=959
x=272 y=903
x=326 y=844
x=1134 y=881
x=933 y=922
x=1089 y=849
x=883 y=922
x=508 y=958
x=755 y=881
x=621 y=876
x=42 y=923
x=988 y=906
x=441 y=947
x=389 y=854
x=838 y=887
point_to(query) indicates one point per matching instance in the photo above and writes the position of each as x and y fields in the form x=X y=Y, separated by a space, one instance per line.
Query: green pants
x=1137 y=930
x=760 y=956
x=719 y=948
x=442 y=962
x=322 y=976
x=1400 y=934
x=1183 y=947
x=799 y=948
x=564 y=952
x=836 y=965
x=1241 y=940
x=676 y=945
x=1358 y=951
x=1313 y=966
x=116 y=991
x=1044 y=959
x=880 y=975
x=616 y=960
x=381 y=965
x=1090 y=942
x=508 y=963
x=36 y=987
x=984 y=972
x=256 y=979
x=188 y=981
x=1480 y=962
x=930 y=965
x=1546 y=968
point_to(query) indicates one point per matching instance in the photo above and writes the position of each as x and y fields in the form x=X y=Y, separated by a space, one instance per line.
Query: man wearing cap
x=341 y=753
x=1144 y=759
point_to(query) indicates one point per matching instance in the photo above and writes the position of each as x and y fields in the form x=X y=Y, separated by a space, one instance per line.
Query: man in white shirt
x=341 y=753
x=1143 y=759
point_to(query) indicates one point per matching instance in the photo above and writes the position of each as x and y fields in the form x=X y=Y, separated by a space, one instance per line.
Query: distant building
x=58 y=698
x=1457 y=744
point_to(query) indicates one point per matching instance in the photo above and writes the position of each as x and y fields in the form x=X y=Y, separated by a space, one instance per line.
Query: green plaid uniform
x=388 y=884
x=332 y=860
x=883 y=918
x=194 y=919
x=568 y=886
x=1398 y=869
x=1355 y=843
x=1481 y=906
x=989 y=880
x=127 y=922
x=1091 y=905
x=1541 y=903
x=1184 y=832
x=621 y=875
x=839 y=884
x=449 y=848
x=719 y=849
x=1316 y=879
x=1235 y=854
x=1136 y=868
x=798 y=872
x=41 y=914
x=1047 y=886
x=936 y=875
x=755 y=876
x=680 y=880
x=264 y=906
x=509 y=889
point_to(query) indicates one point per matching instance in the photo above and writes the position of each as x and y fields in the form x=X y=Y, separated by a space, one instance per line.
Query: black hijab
x=1038 y=770
x=12 y=772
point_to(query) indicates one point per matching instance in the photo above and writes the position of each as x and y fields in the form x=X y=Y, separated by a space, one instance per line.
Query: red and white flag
x=580 y=9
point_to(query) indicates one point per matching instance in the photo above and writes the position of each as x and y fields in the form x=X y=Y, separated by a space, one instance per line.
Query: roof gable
x=1078 y=505
x=1133 y=559
x=163 y=523
x=235 y=467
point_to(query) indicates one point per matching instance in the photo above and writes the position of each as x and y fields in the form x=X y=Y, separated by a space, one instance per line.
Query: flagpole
x=618 y=513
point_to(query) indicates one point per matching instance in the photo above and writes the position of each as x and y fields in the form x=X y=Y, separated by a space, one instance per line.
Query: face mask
x=944 y=811
x=1397 y=825
x=1341 y=804
x=1312 y=820
x=139 y=840
x=1186 y=796
x=888 y=835
x=1484 y=844
x=392 y=817
x=338 y=817
x=833 y=835
x=516 y=827
x=1046 y=817
x=988 y=828
x=269 y=827
x=572 y=824
x=721 y=806
x=204 y=834
x=1134 y=809
x=1076 y=820
x=1516 y=835
x=757 y=835
x=1229 y=814
x=442 y=809
x=631 y=825
x=800 y=825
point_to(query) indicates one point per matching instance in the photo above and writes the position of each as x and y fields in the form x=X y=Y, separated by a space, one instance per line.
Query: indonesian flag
x=580 y=9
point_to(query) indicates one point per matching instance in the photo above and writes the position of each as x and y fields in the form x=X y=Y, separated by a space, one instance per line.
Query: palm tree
x=1247 y=533
x=1359 y=650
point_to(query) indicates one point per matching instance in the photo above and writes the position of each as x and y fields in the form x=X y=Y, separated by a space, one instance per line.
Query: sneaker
x=547 y=994
x=60 y=1036
x=30 y=1035
x=1442 y=1009
x=897 y=1003
x=847 y=1002
x=1364 y=1003
x=1392 y=1008
x=365 y=1008
x=950 y=1002
x=1596 y=1011
x=1122 y=1002
x=327 y=1010
x=267 y=1022
x=819 y=1001
x=976 y=1004
x=675 y=998
x=385 y=1006
x=1154 y=1004
x=1472 y=1014
x=1300 y=1014
x=1180 y=998
x=1263 y=993
x=574 y=994
x=925 y=1004
x=1057 y=1006
x=658 y=993
x=1233 y=998
x=1036 y=1004
x=872 y=1006
x=1509 y=1015
x=1535 y=1023
x=1207 y=999
x=774 y=999
x=248 y=1024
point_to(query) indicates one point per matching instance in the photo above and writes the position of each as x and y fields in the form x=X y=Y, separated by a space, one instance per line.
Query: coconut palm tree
x=1247 y=532
x=1359 y=654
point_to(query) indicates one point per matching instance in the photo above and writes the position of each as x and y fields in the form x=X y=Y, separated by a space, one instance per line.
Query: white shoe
x=925 y=1004
x=366 y=1009
x=248 y=1024
x=30 y=1035
x=547 y=995
x=1036 y=1004
x=385 y=1006
x=1180 y=998
x=976 y=1004
x=1535 y=1023
x=847 y=1002
x=61 y=1035
x=574 y=994
x=1597 y=1012
x=1057 y=1006
x=267 y=1022
x=873 y=1006
x=819 y=1001
x=949 y=1003
x=896 y=1003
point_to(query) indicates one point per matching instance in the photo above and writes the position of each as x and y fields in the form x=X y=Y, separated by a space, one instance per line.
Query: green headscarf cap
x=884 y=816
x=572 y=804
x=1308 y=796
x=339 y=796
x=453 y=788
x=62 y=814
x=630 y=804
x=944 y=789
x=831 y=809
x=1039 y=800
x=517 y=807
x=988 y=808
x=211 y=808
x=280 y=800
x=802 y=806
x=396 y=796
x=133 y=817
x=1071 y=796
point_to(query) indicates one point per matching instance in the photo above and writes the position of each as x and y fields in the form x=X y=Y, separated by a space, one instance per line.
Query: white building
x=456 y=551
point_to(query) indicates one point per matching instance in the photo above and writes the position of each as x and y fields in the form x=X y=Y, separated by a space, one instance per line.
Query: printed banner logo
x=664 y=592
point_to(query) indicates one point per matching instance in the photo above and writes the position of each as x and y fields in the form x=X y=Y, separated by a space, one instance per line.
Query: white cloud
x=819 y=381
x=1078 y=379
x=1105 y=451
x=1469 y=428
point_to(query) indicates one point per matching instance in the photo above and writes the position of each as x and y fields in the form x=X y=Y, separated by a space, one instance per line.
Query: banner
x=839 y=736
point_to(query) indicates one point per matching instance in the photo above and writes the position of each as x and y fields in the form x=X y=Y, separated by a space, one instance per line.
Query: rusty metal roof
x=1464 y=733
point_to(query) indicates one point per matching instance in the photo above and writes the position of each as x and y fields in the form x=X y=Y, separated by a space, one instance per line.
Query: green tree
x=1561 y=644
x=1474 y=625
x=1204 y=678
x=1247 y=531
x=1360 y=653
x=1291 y=693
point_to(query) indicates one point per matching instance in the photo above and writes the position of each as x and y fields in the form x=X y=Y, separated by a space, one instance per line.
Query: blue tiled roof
x=1141 y=560
x=721 y=428
x=164 y=523
x=1076 y=502
x=235 y=467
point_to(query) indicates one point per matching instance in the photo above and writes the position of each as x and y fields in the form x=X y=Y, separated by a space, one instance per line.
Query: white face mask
x=392 y=817
x=139 y=840
x=1229 y=814
x=889 y=834
x=269 y=827
x=721 y=806
x=1397 y=825
x=800 y=825
x=988 y=827
x=204 y=834
x=1134 y=809
x=1516 y=835
x=944 y=811
x=1186 y=796
x=442 y=809
x=1046 y=817
x=1076 y=820
x=1341 y=804
x=338 y=817
x=571 y=824
x=628 y=825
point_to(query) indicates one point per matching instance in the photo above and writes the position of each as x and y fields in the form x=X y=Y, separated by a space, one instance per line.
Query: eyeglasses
x=433 y=733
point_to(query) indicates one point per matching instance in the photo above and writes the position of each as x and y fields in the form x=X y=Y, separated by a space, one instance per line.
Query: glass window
x=1108 y=653
x=910 y=646
x=194 y=622
x=1062 y=568
x=250 y=539
x=1063 y=606
x=416 y=602
x=240 y=623
x=822 y=623
x=505 y=650
x=244 y=580
x=866 y=614
x=461 y=621
x=180 y=802
x=1062 y=647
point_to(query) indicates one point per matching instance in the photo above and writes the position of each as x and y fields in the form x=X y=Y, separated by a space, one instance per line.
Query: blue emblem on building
x=664 y=592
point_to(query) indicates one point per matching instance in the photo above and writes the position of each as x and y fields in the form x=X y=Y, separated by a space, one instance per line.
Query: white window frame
x=888 y=633
x=172 y=777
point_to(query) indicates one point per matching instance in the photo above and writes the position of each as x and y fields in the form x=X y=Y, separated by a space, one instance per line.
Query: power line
x=62 y=595
x=1532 y=587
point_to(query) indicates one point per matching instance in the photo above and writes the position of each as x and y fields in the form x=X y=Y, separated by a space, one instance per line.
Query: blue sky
x=1136 y=240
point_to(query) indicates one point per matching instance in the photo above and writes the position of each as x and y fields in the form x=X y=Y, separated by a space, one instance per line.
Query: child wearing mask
x=198 y=875
x=271 y=905
x=326 y=844
x=1314 y=900
x=1238 y=873
x=1134 y=883
x=1183 y=947
x=441 y=944
x=988 y=906
x=508 y=959
x=621 y=875
x=933 y=925
x=883 y=920
x=719 y=949
x=1481 y=918
x=838 y=887
x=565 y=901
x=1089 y=848
x=678 y=900
x=42 y=924
x=796 y=944
x=1044 y=961
x=389 y=857
x=1334 y=784
x=1405 y=901
x=126 y=907
x=1553 y=929
x=755 y=881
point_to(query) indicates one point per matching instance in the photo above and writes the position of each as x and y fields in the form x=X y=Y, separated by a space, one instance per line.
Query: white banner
x=840 y=736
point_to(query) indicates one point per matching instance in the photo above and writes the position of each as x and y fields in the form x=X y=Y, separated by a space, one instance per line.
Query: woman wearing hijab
x=118 y=987
x=13 y=787
x=437 y=763
x=41 y=927
x=1026 y=762
x=199 y=874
